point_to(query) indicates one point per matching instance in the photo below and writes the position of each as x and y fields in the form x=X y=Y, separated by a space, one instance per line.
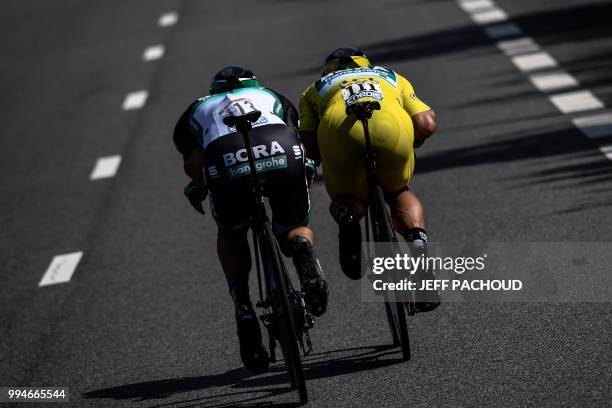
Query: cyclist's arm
x=187 y=144
x=423 y=117
x=424 y=125
x=290 y=114
x=309 y=123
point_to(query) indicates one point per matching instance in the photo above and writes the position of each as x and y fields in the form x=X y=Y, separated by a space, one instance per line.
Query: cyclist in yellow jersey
x=337 y=141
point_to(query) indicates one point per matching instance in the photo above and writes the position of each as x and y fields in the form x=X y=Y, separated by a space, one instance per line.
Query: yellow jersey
x=391 y=87
x=340 y=137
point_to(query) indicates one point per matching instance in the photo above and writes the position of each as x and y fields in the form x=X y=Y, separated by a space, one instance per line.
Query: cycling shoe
x=253 y=354
x=316 y=293
x=349 y=254
x=426 y=300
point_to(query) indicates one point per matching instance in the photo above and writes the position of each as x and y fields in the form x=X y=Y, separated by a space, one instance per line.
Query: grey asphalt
x=146 y=319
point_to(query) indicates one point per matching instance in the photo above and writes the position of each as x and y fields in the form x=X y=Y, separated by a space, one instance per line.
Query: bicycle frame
x=281 y=300
x=377 y=217
x=260 y=217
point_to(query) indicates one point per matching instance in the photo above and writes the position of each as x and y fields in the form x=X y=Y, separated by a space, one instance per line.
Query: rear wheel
x=396 y=312
x=394 y=336
x=284 y=314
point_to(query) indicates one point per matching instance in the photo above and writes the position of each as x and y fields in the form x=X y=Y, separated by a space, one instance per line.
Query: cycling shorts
x=279 y=160
x=342 y=145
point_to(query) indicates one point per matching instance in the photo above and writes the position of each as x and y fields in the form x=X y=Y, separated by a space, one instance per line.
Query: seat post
x=363 y=112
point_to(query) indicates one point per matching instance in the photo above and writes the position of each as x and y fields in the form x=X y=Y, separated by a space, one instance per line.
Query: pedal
x=309 y=321
x=262 y=303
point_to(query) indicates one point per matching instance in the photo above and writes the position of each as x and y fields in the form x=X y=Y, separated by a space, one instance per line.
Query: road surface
x=145 y=319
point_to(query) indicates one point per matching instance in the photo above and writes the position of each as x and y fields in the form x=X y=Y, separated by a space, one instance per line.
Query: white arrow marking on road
x=576 y=101
x=105 y=167
x=135 y=100
x=61 y=269
x=595 y=126
x=532 y=62
x=154 y=52
x=553 y=81
x=168 y=19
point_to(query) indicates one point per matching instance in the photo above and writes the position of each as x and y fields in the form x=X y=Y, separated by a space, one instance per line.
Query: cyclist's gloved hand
x=311 y=171
x=196 y=194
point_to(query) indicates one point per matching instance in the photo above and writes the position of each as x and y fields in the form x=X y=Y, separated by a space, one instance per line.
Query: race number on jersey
x=207 y=117
x=354 y=90
x=332 y=79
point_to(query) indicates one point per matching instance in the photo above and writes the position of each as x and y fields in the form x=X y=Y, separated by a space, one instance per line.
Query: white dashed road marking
x=518 y=46
x=154 y=52
x=470 y=6
x=61 y=269
x=595 y=126
x=135 y=100
x=533 y=62
x=527 y=56
x=105 y=167
x=607 y=151
x=494 y=15
x=168 y=19
x=553 y=81
x=576 y=101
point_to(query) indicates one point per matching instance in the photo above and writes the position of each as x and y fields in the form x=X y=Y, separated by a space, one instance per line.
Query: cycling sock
x=417 y=242
x=426 y=300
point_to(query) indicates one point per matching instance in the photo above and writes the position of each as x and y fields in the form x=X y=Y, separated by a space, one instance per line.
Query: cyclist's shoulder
x=213 y=101
x=402 y=81
x=383 y=69
x=187 y=113
x=311 y=89
x=251 y=93
x=200 y=102
x=269 y=91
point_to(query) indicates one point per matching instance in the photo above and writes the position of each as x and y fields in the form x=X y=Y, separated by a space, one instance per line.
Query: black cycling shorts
x=280 y=170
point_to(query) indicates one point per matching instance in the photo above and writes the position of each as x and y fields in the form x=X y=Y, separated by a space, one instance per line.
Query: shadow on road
x=589 y=168
x=251 y=391
x=579 y=23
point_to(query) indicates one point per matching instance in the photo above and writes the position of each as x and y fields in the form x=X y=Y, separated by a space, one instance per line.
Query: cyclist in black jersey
x=214 y=157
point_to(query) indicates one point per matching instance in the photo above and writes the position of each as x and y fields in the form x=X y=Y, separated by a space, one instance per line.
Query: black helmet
x=232 y=77
x=345 y=57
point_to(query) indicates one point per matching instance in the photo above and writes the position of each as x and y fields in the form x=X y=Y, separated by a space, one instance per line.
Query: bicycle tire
x=395 y=341
x=284 y=313
x=396 y=312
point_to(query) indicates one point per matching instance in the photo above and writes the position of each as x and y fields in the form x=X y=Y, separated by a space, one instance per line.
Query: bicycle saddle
x=250 y=117
x=363 y=110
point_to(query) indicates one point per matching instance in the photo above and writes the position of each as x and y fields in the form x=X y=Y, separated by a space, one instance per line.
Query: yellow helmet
x=343 y=58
